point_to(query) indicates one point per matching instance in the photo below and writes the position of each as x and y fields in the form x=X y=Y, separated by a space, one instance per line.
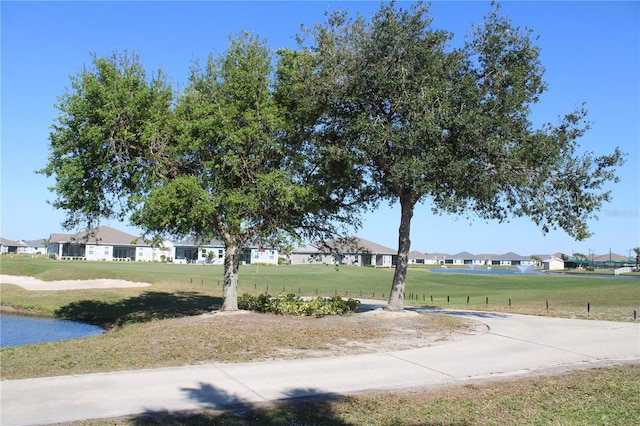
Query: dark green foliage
x=450 y=126
x=292 y=305
x=230 y=157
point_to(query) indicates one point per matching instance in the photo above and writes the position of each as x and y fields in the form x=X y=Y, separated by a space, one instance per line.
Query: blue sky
x=590 y=51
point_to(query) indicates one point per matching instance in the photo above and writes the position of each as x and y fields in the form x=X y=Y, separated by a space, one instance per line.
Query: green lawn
x=565 y=295
x=142 y=336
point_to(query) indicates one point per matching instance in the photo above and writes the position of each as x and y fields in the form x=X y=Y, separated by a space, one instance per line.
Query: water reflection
x=18 y=330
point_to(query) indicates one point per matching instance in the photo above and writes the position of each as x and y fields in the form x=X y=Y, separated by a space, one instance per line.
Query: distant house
x=552 y=264
x=512 y=259
x=436 y=258
x=307 y=254
x=35 y=246
x=465 y=258
x=345 y=251
x=214 y=251
x=104 y=243
x=417 y=258
x=10 y=247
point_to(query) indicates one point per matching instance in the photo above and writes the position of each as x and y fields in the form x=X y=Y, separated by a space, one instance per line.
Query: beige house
x=552 y=264
x=345 y=251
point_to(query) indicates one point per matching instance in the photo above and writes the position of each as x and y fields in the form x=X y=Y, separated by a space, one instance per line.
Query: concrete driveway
x=513 y=345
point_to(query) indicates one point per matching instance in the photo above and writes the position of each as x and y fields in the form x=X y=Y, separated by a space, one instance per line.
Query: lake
x=19 y=330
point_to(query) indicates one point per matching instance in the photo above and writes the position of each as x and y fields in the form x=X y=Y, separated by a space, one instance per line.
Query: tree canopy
x=227 y=158
x=260 y=145
x=450 y=126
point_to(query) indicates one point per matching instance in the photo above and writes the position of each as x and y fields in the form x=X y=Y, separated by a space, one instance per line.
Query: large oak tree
x=451 y=125
x=232 y=157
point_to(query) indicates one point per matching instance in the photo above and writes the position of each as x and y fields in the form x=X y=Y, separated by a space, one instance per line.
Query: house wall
x=98 y=252
x=151 y=254
x=384 y=260
x=553 y=264
x=305 y=258
x=217 y=258
x=267 y=256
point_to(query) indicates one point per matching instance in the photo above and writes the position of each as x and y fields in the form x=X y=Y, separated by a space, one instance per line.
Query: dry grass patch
x=230 y=338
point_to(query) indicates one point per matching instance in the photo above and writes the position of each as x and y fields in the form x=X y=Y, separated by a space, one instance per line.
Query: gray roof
x=510 y=256
x=35 y=243
x=100 y=235
x=11 y=243
x=417 y=255
x=355 y=244
x=464 y=255
x=307 y=248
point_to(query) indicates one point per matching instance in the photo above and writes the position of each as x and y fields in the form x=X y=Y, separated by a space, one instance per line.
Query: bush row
x=293 y=305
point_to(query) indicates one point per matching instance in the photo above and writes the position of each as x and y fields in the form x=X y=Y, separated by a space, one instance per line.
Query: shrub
x=290 y=304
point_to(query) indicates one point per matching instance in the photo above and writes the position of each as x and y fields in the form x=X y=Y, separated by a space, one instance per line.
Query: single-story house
x=512 y=259
x=436 y=258
x=105 y=243
x=307 y=254
x=465 y=258
x=213 y=252
x=345 y=251
x=11 y=247
x=35 y=246
x=418 y=258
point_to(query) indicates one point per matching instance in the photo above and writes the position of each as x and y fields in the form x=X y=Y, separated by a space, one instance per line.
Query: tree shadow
x=143 y=308
x=302 y=406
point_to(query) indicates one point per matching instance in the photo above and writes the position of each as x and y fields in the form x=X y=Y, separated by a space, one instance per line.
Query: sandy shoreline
x=34 y=284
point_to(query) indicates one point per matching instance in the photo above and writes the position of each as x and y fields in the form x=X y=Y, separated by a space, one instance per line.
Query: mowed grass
x=572 y=296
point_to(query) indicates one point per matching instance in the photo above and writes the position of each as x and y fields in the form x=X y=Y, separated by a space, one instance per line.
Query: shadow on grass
x=146 y=307
x=304 y=406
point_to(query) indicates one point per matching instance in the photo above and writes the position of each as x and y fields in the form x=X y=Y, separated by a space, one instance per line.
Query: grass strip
x=600 y=396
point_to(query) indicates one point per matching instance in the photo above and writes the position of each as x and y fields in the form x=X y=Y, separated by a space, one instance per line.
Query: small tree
x=228 y=158
x=451 y=125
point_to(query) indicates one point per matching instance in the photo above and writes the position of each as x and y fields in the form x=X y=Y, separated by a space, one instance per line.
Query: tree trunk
x=396 y=297
x=230 y=287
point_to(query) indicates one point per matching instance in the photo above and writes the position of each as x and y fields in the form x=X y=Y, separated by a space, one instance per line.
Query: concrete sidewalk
x=514 y=345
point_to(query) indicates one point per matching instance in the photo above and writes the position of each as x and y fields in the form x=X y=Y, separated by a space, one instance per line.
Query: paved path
x=514 y=345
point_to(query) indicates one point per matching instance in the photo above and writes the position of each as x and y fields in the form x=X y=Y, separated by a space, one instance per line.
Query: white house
x=213 y=252
x=512 y=259
x=10 y=247
x=108 y=244
x=417 y=258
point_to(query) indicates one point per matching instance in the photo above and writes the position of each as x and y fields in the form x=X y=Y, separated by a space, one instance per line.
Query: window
x=220 y=254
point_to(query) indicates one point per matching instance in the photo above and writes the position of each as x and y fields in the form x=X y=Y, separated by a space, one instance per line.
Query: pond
x=19 y=330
